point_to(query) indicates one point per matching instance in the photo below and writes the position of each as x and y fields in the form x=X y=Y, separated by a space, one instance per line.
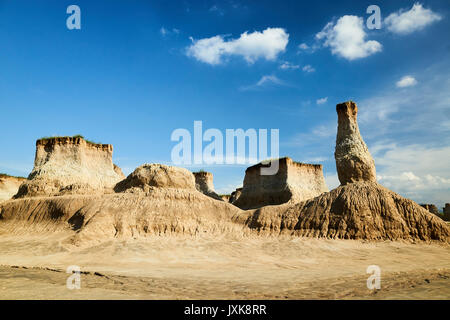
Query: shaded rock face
x=235 y=195
x=204 y=184
x=9 y=186
x=70 y=165
x=150 y=176
x=430 y=207
x=353 y=159
x=293 y=182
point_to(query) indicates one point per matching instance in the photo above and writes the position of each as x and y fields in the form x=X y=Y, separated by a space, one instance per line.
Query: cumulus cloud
x=267 y=44
x=405 y=22
x=347 y=38
x=406 y=81
x=322 y=100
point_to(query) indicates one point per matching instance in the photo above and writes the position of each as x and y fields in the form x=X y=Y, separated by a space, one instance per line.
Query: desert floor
x=222 y=268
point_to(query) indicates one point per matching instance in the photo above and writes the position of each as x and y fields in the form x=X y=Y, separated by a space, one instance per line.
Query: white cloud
x=413 y=171
x=308 y=68
x=347 y=37
x=252 y=46
x=405 y=22
x=266 y=80
x=406 y=81
x=322 y=100
x=287 y=65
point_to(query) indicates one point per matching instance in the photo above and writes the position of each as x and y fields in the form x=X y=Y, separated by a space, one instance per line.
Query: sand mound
x=204 y=184
x=360 y=210
x=159 y=211
x=157 y=175
x=293 y=182
x=70 y=165
x=9 y=186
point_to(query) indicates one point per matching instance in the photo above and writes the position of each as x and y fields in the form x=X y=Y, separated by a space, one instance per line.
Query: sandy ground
x=222 y=268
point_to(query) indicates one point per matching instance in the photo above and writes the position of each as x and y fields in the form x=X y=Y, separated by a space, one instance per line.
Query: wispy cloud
x=289 y=66
x=167 y=32
x=265 y=81
x=308 y=68
x=322 y=100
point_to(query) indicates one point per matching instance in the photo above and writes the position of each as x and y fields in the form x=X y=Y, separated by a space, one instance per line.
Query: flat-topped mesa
x=294 y=181
x=353 y=159
x=70 y=165
x=204 y=184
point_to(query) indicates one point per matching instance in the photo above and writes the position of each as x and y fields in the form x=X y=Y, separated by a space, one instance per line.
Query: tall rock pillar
x=353 y=159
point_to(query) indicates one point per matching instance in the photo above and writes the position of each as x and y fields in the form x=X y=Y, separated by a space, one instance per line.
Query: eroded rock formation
x=235 y=195
x=359 y=210
x=353 y=159
x=70 y=165
x=293 y=182
x=157 y=176
x=9 y=186
x=204 y=184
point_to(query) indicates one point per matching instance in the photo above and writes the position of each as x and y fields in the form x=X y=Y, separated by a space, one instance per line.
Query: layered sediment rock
x=9 y=186
x=157 y=176
x=353 y=159
x=293 y=182
x=204 y=184
x=70 y=165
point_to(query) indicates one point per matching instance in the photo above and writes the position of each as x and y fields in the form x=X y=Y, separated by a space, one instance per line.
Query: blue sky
x=138 y=70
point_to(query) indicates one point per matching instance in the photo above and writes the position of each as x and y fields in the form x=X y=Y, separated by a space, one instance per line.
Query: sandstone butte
x=162 y=200
x=294 y=182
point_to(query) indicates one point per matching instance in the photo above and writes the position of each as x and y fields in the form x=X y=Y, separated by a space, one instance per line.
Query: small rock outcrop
x=150 y=176
x=204 y=184
x=294 y=181
x=353 y=159
x=431 y=207
x=9 y=186
x=446 y=211
x=70 y=165
x=235 y=195
x=119 y=172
